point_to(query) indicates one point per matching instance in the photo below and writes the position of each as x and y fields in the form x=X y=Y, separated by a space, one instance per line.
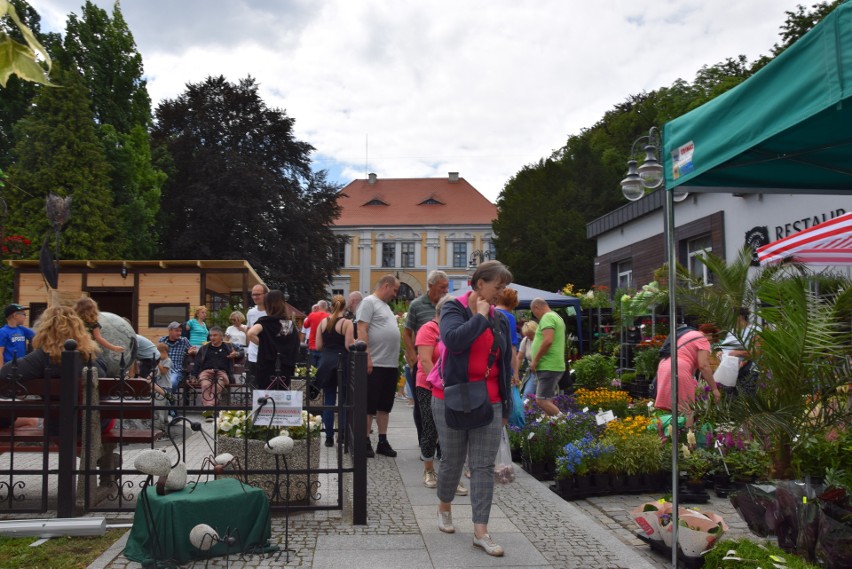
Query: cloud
x=478 y=87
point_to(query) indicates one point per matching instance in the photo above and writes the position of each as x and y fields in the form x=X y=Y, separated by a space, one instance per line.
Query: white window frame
x=621 y=272
x=692 y=254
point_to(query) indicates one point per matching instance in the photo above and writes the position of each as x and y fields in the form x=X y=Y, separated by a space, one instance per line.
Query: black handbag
x=466 y=405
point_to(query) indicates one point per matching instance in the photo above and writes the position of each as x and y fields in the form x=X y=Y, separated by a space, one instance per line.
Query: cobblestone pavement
x=537 y=527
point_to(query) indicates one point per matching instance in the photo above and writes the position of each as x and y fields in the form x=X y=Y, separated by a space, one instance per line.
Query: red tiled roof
x=460 y=203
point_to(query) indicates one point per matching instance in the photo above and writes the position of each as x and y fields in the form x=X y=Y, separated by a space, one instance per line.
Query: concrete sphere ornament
x=177 y=477
x=280 y=445
x=224 y=458
x=203 y=537
x=152 y=462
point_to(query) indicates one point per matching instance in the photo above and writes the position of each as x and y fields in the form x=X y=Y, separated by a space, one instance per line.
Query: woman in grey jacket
x=477 y=348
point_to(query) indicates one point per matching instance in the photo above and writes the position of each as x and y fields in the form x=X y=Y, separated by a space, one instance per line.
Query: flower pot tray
x=664 y=551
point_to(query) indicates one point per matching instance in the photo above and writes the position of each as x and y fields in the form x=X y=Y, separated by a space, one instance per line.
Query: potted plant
x=594 y=370
x=749 y=464
x=695 y=464
x=239 y=435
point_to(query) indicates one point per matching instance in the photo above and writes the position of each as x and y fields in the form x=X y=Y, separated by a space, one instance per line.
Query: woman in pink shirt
x=693 y=354
x=428 y=347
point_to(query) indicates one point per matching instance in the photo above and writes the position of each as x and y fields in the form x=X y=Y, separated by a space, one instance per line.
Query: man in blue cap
x=14 y=335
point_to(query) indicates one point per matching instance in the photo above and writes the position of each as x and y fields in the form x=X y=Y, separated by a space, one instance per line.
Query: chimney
x=372 y=178
x=454 y=176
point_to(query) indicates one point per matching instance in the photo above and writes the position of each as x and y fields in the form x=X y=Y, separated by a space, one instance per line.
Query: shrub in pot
x=594 y=370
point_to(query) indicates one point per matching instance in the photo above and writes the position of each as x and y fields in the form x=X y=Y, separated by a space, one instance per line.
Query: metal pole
x=670 y=240
x=358 y=448
x=69 y=403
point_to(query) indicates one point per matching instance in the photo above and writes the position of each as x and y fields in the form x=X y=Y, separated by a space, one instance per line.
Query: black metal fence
x=77 y=453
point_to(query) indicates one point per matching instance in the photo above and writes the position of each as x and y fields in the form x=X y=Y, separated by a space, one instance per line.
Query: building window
x=388 y=254
x=492 y=250
x=460 y=254
x=161 y=315
x=336 y=291
x=696 y=249
x=407 y=254
x=624 y=275
x=340 y=254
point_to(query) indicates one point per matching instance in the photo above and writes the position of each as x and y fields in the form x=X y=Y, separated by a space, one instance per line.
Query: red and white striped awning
x=829 y=243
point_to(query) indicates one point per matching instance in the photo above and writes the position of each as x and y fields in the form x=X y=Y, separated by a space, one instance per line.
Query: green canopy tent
x=787 y=129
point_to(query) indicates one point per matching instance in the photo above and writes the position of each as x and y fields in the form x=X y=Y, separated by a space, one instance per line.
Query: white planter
x=257 y=459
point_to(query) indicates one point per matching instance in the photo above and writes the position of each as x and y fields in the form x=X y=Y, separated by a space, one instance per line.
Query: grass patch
x=753 y=555
x=56 y=553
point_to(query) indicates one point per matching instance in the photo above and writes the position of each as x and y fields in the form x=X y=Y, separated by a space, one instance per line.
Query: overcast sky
x=418 y=89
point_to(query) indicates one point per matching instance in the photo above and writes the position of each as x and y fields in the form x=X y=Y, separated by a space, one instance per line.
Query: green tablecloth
x=222 y=504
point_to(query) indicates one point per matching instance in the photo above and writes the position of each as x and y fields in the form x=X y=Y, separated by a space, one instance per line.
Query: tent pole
x=672 y=254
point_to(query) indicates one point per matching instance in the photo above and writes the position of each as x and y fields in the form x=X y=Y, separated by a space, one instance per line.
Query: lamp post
x=479 y=256
x=650 y=176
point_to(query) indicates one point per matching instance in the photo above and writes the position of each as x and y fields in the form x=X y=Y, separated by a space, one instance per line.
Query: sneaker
x=329 y=442
x=487 y=544
x=461 y=490
x=384 y=448
x=445 y=522
x=430 y=479
x=370 y=453
x=467 y=472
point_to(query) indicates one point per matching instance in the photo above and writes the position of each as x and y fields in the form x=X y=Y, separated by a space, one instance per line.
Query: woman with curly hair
x=56 y=325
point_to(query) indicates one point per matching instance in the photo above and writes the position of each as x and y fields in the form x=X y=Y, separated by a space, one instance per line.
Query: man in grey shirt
x=377 y=327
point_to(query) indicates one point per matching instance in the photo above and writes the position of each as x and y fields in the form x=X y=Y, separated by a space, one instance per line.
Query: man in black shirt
x=215 y=366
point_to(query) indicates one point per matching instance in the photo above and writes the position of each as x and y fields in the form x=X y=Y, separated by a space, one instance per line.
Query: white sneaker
x=487 y=544
x=461 y=490
x=430 y=479
x=445 y=522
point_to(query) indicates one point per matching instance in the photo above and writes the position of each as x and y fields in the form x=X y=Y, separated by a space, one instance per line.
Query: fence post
x=68 y=402
x=358 y=446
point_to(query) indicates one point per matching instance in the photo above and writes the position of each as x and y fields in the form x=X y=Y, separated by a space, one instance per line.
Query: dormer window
x=431 y=201
x=375 y=201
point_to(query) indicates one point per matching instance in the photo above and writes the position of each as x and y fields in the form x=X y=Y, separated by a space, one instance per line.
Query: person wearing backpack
x=693 y=355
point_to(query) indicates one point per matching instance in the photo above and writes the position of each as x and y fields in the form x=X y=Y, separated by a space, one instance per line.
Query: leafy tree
x=800 y=22
x=240 y=187
x=102 y=49
x=58 y=151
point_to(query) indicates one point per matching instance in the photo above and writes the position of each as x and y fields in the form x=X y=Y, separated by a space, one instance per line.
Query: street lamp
x=649 y=176
x=479 y=256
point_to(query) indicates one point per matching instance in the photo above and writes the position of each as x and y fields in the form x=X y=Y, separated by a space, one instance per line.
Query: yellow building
x=408 y=227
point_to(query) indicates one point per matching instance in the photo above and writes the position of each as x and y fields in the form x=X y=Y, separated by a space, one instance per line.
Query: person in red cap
x=14 y=335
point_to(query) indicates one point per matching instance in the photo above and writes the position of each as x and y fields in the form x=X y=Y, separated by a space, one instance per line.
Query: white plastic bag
x=726 y=373
x=504 y=468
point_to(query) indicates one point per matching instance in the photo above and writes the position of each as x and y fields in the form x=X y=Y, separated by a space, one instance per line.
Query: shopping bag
x=504 y=468
x=516 y=419
x=726 y=373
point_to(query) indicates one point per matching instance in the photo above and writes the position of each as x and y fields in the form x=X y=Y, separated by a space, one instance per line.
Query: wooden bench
x=116 y=399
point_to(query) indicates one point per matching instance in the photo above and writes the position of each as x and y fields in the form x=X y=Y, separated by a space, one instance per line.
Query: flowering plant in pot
x=238 y=434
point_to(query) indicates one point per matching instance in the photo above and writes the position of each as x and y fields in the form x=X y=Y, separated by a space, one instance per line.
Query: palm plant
x=801 y=350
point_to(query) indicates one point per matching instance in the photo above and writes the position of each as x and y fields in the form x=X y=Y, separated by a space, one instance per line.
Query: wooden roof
x=413 y=201
x=226 y=266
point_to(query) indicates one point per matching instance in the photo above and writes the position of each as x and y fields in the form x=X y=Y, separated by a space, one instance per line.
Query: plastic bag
x=834 y=540
x=516 y=419
x=789 y=496
x=504 y=468
x=751 y=504
x=726 y=373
